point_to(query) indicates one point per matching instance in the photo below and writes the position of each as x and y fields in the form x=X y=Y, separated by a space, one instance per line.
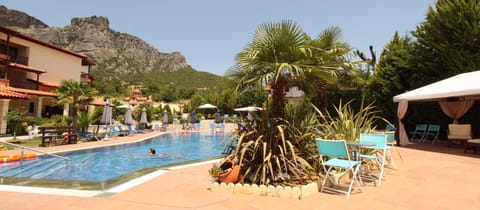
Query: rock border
x=297 y=192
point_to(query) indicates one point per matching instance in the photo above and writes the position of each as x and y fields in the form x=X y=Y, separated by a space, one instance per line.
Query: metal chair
x=432 y=133
x=377 y=154
x=390 y=147
x=339 y=160
x=419 y=133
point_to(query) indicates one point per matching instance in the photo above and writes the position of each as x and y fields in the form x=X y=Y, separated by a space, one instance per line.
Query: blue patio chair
x=212 y=127
x=124 y=132
x=432 y=133
x=116 y=130
x=339 y=161
x=390 y=147
x=137 y=129
x=419 y=133
x=389 y=127
x=376 y=154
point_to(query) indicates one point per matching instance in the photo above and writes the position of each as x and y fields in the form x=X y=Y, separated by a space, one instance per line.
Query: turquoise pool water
x=101 y=164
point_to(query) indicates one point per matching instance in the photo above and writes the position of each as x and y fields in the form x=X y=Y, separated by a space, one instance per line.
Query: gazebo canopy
x=466 y=85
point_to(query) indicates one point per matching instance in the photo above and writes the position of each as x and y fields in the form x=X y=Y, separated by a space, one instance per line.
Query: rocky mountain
x=92 y=36
x=13 y=18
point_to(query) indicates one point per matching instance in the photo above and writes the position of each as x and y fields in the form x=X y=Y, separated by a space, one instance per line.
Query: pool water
x=101 y=164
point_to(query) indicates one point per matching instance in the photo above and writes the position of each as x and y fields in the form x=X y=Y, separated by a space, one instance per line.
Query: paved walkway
x=428 y=176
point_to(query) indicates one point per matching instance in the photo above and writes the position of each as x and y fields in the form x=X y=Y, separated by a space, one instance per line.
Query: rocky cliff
x=13 y=18
x=92 y=36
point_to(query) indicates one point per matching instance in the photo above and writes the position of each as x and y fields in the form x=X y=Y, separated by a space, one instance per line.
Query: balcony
x=4 y=57
x=23 y=84
x=19 y=59
x=86 y=77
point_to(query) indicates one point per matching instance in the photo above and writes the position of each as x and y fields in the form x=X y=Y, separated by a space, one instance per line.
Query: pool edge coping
x=95 y=193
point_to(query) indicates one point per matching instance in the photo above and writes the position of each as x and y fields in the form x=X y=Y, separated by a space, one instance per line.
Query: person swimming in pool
x=152 y=152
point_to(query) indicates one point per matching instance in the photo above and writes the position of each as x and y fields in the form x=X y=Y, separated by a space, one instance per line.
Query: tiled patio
x=428 y=176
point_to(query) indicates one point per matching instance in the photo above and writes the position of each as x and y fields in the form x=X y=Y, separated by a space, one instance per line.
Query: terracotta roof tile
x=32 y=92
x=5 y=93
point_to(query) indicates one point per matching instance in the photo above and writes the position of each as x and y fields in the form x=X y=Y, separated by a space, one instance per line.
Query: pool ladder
x=34 y=150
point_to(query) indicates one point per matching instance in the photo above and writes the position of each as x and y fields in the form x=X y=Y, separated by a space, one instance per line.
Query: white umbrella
x=165 y=118
x=106 y=116
x=125 y=106
x=128 y=116
x=207 y=106
x=106 y=113
x=143 y=117
x=248 y=109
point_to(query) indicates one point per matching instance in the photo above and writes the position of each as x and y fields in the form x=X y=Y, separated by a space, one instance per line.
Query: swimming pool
x=102 y=165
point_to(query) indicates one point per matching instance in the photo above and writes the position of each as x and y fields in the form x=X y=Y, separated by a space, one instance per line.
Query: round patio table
x=357 y=146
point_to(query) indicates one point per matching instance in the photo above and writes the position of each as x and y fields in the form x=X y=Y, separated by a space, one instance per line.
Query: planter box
x=297 y=192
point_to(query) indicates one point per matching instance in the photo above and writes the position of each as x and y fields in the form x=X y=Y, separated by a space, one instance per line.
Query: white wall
x=59 y=65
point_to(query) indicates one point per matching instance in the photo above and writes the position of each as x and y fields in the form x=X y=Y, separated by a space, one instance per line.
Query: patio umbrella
x=207 y=106
x=106 y=117
x=143 y=117
x=165 y=118
x=193 y=118
x=218 y=118
x=124 y=106
x=128 y=116
x=248 y=109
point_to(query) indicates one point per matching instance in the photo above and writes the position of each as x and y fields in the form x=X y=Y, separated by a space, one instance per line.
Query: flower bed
x=298 y=192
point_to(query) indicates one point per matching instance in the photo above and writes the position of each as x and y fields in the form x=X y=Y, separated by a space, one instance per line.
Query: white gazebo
x=455 y=95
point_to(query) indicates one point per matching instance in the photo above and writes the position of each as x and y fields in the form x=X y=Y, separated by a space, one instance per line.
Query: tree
x=393 y=74
x=74 y=94
x=331 y=51
x=270 y=148
x=14 y=118
x=282 y=54
x=448 y=41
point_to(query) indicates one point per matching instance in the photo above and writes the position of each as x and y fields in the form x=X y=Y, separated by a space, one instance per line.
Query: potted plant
x=227 y=172
x=215 y=171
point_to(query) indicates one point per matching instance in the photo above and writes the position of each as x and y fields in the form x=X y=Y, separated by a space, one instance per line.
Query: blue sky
x=210 y=33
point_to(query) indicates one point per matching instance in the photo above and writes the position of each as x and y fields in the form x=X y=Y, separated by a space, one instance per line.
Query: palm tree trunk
x=322 y=96
x=278 y=98
x=74 y=118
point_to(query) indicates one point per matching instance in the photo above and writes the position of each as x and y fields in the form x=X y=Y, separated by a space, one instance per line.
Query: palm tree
x=75 y=94
x=281 y=54
x=333 y=68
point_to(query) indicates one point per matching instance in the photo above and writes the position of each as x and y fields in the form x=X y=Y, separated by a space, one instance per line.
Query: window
x=31 y=107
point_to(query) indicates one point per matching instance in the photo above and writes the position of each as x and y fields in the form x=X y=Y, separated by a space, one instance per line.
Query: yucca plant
x=267 y=155
x=302 y=124
x=347 y=124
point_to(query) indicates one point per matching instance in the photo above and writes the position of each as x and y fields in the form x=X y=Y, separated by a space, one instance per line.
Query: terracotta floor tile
x=430 y=176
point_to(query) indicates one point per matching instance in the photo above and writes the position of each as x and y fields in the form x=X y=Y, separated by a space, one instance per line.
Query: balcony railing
x=86 y=77
x=4 y=57
x=19 y=59
x=23 y=84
